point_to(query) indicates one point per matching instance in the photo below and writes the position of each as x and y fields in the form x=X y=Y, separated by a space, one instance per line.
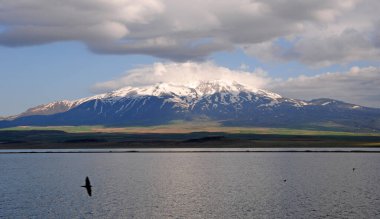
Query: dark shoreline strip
x=189 y=151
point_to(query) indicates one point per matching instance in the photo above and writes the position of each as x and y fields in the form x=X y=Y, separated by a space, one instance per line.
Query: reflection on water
x=190 y=185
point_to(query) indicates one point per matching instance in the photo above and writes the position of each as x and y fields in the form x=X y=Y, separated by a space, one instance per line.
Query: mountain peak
x=197 y=88
x=216 y=86
x=152 y=90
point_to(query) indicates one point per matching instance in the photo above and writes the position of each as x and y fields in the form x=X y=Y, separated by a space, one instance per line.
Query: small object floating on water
x=88 y=186
x=284 y=180
x=353 y=169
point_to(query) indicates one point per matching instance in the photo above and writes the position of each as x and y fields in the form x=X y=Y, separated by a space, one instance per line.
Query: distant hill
x=229 y=103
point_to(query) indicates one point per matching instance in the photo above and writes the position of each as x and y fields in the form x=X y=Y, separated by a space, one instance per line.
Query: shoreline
x=189 y=150
x=175 y=152
x=220 y=144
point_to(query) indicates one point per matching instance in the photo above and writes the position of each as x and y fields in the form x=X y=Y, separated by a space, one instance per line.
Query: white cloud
x=358 y=85
x=172 y=29
x=183 y=74
x=343 y=36
x=348 y=46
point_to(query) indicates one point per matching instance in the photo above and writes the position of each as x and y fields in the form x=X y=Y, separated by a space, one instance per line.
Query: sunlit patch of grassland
x=69 y=129
x=371 y=144
x=180 y=126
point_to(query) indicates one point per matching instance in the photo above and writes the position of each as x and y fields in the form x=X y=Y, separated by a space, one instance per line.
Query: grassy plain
x=179 y=135
x=180 y=127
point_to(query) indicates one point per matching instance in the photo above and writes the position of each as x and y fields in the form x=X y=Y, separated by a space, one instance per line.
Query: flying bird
x=88 y=186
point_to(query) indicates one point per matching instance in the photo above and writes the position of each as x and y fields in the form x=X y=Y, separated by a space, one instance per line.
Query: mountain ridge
x=193 y=91
x=229 y=102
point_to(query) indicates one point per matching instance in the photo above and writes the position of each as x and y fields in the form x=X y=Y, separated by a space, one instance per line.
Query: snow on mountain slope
x=200 y=95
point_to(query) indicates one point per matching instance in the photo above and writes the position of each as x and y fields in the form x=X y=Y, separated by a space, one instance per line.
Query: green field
x=180 y=127
x=179 y=135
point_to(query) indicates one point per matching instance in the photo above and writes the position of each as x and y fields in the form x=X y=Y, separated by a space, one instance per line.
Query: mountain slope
x=228 y=102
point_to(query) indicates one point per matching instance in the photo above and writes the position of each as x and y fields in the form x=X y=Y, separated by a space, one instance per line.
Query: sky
x=53 y=50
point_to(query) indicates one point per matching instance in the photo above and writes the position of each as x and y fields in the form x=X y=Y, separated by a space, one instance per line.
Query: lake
x=190 y=185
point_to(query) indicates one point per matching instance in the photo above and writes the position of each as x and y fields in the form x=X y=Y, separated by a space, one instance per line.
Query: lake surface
x=190 y=185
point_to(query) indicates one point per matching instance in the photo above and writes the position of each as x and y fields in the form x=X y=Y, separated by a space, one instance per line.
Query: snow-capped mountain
x=228 y=102
x=182 y=96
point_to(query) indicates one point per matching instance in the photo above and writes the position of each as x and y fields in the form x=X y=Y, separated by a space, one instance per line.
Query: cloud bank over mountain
x=357 y=85
x=315 y=32
x=183 y=74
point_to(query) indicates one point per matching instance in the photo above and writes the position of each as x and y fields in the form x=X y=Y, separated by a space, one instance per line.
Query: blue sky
x=40 y=74
x=306 y=49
